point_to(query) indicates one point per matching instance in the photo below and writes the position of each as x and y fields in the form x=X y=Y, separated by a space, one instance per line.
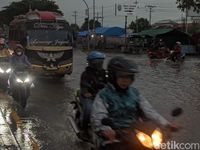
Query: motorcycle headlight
x=19 y=80
x=157 y=138
x=144 y=139
x=152 y=142
x=27 y=80
x=1 y=70
x=8 y=70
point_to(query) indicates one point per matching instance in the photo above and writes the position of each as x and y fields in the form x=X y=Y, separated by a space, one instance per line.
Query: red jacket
x=177 y=48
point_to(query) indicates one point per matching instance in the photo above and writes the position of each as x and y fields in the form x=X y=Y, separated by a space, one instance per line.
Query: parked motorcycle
x=5 y=71
x=20 y=85
x=143 y=135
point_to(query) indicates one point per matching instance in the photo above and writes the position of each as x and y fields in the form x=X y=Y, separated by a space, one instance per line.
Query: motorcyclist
x=18 y=59
x=121 y=102
x=176 y=53
x=92 y=80
x=4 y=51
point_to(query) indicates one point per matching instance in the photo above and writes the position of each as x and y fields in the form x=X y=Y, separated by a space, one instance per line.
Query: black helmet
x=120 y=64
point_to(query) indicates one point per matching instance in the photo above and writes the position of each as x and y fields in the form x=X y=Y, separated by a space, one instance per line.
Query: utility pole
x=186 y=17
x=125 y=32
x=150 y=11
x=94 y=38
x=136 y=21
x=93 y=15
x=75 y=15
x=97 y=17
x=88 y=15
x=102 y=16
x=115 y=9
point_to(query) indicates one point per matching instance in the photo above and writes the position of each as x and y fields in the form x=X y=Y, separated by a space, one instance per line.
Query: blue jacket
x=122 y=109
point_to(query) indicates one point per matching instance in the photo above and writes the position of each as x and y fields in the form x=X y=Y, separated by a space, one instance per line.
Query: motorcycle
x=143 y=135
x=20 y=85
x=159 y=53
x=5 y=71
x=175 y=57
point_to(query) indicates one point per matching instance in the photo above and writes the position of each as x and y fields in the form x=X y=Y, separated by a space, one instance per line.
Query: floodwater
x=44 y=124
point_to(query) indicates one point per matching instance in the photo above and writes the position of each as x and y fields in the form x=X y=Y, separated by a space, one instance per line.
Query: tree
x=183 y=4
x=84 y=26
x=139 y=25
x=23 y=6
x=194 y=28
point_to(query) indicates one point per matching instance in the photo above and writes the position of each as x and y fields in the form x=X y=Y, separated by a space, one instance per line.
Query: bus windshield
x=49 y=37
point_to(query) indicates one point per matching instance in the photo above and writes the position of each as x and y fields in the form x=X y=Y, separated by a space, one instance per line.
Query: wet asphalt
x=44 y=124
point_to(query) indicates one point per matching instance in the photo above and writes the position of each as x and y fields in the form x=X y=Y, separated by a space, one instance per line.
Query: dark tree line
x=22 y=7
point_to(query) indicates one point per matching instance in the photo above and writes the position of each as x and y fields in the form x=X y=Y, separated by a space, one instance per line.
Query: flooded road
x=44 y=125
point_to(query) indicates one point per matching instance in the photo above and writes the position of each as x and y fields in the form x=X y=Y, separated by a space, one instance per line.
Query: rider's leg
x=87 y=106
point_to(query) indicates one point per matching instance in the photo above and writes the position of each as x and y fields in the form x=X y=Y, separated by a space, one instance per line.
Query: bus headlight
x=19 y=80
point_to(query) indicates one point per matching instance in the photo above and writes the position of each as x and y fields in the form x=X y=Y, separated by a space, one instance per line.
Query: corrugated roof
x=154 y=32
x=110 y=31
x=83 y=33
x=101 y=30
x=106 y=31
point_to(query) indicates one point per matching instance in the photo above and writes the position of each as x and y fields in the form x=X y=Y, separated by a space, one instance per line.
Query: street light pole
x=186 y=17
x=94 y=26
x=88 y=14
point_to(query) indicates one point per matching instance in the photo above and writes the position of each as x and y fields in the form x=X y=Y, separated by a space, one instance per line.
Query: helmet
x=120 y=64
x=19 y=49
x=95 y=60
x=93 y=55
x=179 y=43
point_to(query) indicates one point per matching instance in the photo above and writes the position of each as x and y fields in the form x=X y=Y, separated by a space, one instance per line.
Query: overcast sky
x=165 y=9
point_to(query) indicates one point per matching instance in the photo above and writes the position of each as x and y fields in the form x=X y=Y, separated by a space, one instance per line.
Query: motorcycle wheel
x=23 y=102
